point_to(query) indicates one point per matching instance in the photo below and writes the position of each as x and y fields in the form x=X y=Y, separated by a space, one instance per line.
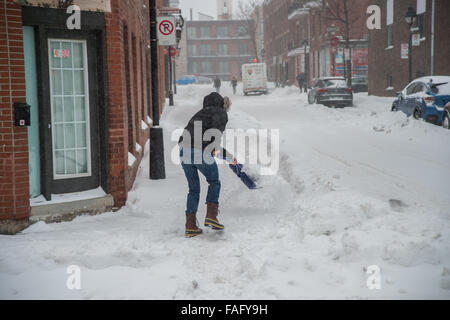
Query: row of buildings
x=312 y=37
x=322 y=38
x=219 y=47
x=89 y=92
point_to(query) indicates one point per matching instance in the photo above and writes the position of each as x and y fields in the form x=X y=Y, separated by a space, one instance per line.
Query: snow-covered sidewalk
x=356 y=187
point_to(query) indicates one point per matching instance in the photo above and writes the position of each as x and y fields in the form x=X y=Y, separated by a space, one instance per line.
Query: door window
x=420 y=87
x=410 y=90
x=69 y=108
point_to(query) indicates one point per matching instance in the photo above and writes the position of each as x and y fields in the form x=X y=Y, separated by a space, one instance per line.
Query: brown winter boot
x=191 y=226
x=212 y=210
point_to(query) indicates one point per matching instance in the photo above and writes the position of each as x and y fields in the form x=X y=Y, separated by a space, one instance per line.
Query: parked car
x=360 y=84
x=446 y=117
x=204 y=80
x=331 y=91
x=188 y=79
x=426 y=98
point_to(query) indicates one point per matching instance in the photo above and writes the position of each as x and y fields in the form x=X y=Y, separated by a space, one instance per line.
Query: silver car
x=331 y=92
x=204 y=80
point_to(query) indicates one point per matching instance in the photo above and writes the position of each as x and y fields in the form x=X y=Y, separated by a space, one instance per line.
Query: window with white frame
x=70 y=108
x=222 y=49
x=192 y=67
x=192 y=50
x=222 y=31
x=206 y=67
x=192 y=33
x=390 y=22
x=205 y=50
x=224 y=67
x=243 y=48
x=205 y=32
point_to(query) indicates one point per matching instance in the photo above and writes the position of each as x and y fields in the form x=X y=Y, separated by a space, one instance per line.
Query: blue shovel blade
x=237 y=169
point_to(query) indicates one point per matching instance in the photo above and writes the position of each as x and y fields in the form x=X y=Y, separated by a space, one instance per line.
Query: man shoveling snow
x=199 y=144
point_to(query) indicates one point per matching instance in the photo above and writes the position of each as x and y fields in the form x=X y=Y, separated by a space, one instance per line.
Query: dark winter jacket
x=212 y=116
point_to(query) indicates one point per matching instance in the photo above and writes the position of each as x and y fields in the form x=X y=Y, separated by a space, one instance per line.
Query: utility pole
x=170 y=77
x=174 y=75
x=157 y=166
x=410 y=18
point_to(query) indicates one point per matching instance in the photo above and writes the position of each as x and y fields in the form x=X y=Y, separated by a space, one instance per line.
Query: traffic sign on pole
x=334 y=42
x=166 y=31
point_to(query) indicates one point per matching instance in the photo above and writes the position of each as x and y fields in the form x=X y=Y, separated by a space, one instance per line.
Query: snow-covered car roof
x=444 y=88
x=332 y=78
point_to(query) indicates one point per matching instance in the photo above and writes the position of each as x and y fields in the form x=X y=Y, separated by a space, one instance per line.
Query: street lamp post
x=410 y=18
x=157 y=166
x=305 y=44
x=170 y=77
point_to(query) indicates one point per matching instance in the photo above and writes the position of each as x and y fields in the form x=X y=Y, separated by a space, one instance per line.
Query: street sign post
x=416 y=39
x=166 y=31
x=334 y=42
x=404 y=50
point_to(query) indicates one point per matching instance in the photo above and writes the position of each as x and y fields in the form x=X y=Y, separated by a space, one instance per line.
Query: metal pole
x=157 y=167
x=170 y=78
x=410 y=54
x=174 y=76
x=433 y=21
x=306 y=69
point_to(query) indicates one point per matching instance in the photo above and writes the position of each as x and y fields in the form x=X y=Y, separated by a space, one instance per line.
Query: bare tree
x=245 y=14
x=349 y=15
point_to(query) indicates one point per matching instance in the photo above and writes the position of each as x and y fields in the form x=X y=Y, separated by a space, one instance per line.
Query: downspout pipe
x=433 y=20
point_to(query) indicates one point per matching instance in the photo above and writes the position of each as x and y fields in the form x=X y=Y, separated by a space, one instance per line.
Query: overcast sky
x=208 y=7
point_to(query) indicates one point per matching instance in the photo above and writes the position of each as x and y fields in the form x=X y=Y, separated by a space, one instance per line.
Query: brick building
x=280 y=34
x=218 y=47
x=295 y=26
x=388 y=72
x=89 y=92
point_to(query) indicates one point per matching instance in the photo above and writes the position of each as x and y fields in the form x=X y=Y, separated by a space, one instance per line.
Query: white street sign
x=166 y=31
x=416 y=39
x=347 y=54
x=405 y=50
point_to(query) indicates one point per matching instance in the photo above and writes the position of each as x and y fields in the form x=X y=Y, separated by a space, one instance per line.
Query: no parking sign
x=166 y=31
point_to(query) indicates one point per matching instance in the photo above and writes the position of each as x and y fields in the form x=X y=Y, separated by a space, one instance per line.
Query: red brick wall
x=131 y=14
x=14 y=185
x=235 y=61
x=280 y=32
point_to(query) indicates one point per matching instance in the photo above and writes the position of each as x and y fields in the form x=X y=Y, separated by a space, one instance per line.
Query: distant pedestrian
x=301 y=82
x=217 y=84
x=234 y=84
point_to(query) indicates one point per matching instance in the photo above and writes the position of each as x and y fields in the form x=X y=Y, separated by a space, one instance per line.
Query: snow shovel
x=238 y=170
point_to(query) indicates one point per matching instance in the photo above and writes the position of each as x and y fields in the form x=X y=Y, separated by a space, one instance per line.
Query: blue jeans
x=208 y=169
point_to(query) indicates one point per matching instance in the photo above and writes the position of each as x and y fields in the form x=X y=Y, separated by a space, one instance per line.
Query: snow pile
x=131 y=159
x=356 y=187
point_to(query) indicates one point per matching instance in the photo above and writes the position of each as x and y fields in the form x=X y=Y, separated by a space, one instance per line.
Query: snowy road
x=356 y=187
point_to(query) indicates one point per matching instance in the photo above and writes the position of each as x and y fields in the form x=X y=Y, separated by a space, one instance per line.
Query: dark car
x=426 y=98
x=360 y=84
x=331 y=92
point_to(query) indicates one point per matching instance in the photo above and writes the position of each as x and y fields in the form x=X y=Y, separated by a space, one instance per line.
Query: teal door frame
x=32 y=99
